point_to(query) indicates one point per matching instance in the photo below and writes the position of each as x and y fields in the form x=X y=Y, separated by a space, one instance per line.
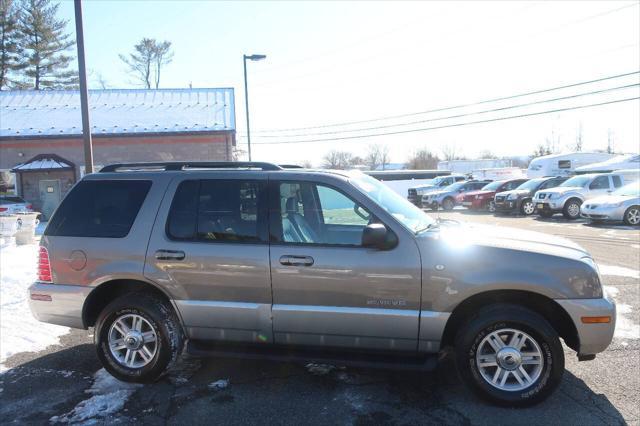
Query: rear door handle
x=170 y=255
x=289 y=260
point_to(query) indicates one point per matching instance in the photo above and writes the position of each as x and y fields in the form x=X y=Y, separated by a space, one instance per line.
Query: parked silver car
x=623 y=205
x=249 y=259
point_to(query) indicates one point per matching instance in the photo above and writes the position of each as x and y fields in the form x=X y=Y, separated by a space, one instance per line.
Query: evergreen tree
x=9 y=41
x=44 y=47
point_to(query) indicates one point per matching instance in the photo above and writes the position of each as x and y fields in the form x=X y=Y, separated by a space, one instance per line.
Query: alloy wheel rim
x=633 y=216
x=528 y=207
x=509 y=360
x=132 y=341
x=573 y=209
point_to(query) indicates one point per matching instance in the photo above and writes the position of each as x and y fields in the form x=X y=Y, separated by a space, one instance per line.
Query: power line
x=387 y=126
x=398 y=132
x=451 y=107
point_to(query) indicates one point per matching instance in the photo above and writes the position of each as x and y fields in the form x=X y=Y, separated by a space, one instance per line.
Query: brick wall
x=216 y=147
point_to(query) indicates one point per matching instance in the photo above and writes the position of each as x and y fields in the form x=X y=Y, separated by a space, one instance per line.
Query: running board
x=410 y=362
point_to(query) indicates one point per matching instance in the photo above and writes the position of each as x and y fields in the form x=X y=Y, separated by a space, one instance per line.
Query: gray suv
x=251 y=260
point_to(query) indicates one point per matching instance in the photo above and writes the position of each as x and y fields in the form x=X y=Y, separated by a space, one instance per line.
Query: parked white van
x=563 y=164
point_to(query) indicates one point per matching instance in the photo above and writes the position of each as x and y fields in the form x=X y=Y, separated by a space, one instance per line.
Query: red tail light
x=29 y=206
x=3 y=209
x=44 y=267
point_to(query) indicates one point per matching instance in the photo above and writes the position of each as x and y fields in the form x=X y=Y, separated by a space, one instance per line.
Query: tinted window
x=601 y=182
x=11 y=200
x=564 y=164
x=617 y=183
x=218 y=210
x=102 y=209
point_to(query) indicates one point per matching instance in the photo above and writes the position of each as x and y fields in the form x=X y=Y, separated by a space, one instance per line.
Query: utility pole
x=84 y=94
x=246 y=95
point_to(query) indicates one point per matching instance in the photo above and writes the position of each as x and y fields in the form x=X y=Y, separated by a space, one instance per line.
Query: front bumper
x=593 y=338
x=548 y=206
x=475 y=204
x=604 y=213
x=58 y=304
x=507 y=206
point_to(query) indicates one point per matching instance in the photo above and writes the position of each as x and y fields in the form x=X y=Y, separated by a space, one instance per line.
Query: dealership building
x=41 y=133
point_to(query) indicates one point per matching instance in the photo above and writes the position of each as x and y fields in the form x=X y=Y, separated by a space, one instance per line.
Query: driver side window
x=317 y=214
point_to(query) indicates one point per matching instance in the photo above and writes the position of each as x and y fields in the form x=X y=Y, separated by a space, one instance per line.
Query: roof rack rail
x=182 y=165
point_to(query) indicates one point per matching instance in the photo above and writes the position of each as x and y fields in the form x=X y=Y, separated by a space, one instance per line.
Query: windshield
x=531 y=185
x=577 y=181
x=493 y=186
x=630 y=190
x=454 y=186
x=406 y=213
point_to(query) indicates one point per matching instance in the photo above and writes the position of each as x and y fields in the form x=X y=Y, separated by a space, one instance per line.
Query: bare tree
x=542 y=149
x=487 y=154
x=577 y=146
x=377 y=155
x=147 y=60
x=337 y=160
x=610 y=142
x=450 y=152
x=423 y=159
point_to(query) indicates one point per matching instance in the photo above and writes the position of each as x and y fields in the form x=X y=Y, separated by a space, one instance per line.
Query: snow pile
x=19 y=331
x=109 y=397
x=320 y=369
x=219 y=384
x=625 y=328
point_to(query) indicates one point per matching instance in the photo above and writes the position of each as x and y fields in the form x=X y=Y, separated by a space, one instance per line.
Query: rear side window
x=601 y=182
x=218 y=211
x=101 y=209
x=617 y=183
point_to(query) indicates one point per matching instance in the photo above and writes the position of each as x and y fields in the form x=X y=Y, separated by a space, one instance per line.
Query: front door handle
x=170 y=255
x=289 y=260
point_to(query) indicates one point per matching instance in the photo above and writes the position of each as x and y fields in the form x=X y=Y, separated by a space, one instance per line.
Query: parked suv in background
x=520 y=200
x=249 y=259
x=484 y=198
x=569 y=196
x=446 y=198
x=415 y=194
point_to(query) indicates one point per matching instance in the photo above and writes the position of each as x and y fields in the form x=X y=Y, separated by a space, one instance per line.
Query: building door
x=49 y=196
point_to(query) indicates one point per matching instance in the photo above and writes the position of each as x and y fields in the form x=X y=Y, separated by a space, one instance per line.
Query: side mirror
x=377 y=236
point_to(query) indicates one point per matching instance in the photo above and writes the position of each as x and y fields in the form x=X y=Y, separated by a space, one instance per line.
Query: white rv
x=563 y=164
x=620 y=162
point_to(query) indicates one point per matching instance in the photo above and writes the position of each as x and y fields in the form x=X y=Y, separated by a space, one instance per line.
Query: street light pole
x=84 y=94
x=246 y=95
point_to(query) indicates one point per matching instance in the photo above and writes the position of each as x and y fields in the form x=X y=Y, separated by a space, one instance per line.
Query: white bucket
x=8 y=225
x=27 y=223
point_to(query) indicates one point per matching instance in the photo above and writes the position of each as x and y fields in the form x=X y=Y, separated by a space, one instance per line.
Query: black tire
x=160 y=316
x=448 y=203
x=434 y=206
x=571 y=209
x=630 y=216
x=527 y=207
x=505 y=316
x=546 y=215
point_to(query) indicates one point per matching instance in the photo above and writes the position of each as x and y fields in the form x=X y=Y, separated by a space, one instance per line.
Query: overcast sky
x=337 y=62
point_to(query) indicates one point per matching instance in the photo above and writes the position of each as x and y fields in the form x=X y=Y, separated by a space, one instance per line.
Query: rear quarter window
x=99 y=209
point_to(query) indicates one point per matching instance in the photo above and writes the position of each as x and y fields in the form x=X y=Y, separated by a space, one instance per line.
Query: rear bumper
x=63 y=308
x=593 y=338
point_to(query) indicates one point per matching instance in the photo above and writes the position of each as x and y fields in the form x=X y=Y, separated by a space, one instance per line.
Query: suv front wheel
x=138 y=337
x=509 y=355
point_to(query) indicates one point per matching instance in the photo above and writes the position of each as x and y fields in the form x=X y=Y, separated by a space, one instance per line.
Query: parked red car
x=483 y=199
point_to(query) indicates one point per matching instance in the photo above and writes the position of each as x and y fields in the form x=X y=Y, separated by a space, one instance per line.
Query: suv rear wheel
x=509 y=355
x=138 y=337
x=571 y=209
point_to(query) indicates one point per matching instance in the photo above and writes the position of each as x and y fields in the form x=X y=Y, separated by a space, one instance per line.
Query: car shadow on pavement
x=199 y=391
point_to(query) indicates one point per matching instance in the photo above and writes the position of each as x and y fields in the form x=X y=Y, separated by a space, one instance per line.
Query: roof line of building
x=120 y=135
x=175 y=89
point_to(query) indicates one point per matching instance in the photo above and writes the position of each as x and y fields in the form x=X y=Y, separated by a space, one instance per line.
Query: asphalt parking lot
x=64 y=384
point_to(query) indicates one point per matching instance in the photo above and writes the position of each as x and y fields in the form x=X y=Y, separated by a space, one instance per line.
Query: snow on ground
x=219 y=384
x=618 y=271
x=108 y=397
x=19 y=331
x=625 y=328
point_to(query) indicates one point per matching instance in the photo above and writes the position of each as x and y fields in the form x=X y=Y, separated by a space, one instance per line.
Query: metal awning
x=44 y=163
